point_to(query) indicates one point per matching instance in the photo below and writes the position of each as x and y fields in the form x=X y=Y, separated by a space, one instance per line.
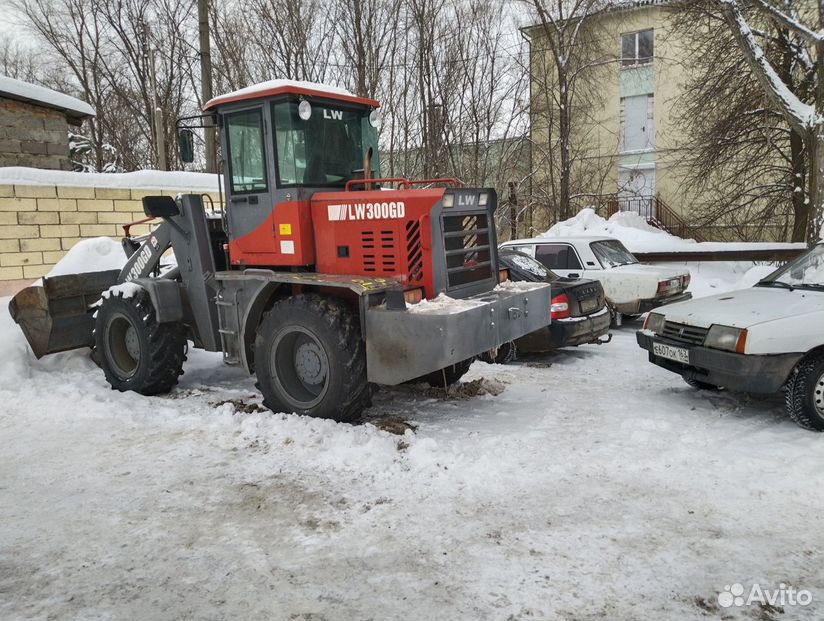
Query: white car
x=631 y=288
x=760 y=340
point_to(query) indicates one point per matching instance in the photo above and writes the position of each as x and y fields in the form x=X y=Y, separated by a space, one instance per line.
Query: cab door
x=249 y=186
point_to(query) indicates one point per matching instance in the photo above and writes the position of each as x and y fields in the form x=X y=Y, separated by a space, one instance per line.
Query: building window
x=637 y=123
x=636 y=48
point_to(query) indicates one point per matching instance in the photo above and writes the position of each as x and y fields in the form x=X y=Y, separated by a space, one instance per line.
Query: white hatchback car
x=760 y=340
x=631 y=289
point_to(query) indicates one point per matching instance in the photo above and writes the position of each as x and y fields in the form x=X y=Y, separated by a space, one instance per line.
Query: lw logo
x=466 y=200
x=336 y=115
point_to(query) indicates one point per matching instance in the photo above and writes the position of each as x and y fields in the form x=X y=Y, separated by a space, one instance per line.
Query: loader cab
x=282 y=142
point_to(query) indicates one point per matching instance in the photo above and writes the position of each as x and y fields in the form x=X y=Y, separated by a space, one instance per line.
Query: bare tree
x=805 y=119
x=747 y=165
x=567 y=54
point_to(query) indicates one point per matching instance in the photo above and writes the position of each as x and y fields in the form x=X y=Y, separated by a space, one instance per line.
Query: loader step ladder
x=228 y=326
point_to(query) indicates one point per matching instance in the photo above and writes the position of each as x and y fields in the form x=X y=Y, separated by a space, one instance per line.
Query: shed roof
x=75 y=109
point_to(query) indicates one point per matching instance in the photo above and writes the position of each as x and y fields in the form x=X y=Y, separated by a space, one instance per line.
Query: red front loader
x=316 y=277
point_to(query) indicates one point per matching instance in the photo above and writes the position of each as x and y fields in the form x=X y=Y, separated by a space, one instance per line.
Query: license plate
x=588 y=305
x=679 y=354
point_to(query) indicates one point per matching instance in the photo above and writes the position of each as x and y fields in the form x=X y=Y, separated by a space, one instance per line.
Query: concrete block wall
x=39 y=224
x=32 y=135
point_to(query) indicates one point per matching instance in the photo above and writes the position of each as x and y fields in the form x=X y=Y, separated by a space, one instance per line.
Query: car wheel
x=804 y=396
x=699 y=385
x=505 y=354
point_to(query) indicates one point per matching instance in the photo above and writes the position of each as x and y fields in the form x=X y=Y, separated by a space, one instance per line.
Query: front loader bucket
x=55 y=316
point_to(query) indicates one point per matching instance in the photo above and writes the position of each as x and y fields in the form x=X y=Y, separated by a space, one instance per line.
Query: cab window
x=325 y=150
x=247 y=151
x=557 y=256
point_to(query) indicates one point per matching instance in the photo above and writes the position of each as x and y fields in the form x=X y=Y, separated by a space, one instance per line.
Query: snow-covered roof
x=565 y=238
x=141 y=179
x=274 y=87
x=46 y=97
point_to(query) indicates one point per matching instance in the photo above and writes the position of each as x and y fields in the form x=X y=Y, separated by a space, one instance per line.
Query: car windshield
x=527 y=264
x=325 y=150
x=806 y=272
x=612 y=253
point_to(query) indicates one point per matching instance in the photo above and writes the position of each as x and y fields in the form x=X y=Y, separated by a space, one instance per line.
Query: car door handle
x=239 y=199
x=573 y=275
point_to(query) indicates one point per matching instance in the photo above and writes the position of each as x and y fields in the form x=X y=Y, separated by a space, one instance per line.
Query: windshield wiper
x=775 y=283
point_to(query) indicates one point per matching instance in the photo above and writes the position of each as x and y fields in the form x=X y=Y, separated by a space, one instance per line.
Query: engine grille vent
x=468 y=253
x=414 y=250
x=682 y=333
x=379 y=251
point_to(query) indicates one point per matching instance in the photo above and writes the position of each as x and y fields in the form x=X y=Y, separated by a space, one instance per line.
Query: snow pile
x=627 y=226
x=91 y=255
x=139 y=180
x=639 y=236
x=443 y=305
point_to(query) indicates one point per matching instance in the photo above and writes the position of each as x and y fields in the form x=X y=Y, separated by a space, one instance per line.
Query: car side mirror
x=160 y=206
x=186 y=142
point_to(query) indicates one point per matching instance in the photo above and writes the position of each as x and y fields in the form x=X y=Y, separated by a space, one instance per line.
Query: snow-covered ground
x=587 y=484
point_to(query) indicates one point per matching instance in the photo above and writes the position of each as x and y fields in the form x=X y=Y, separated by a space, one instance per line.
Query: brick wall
x=33 y=136
x=38 y=224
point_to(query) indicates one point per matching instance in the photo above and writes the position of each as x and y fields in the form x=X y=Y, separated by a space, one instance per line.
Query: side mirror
x=186 y=140
x=160 y=206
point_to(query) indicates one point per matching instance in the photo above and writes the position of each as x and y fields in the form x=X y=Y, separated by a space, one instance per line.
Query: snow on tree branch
x=800 y=115
x=788 y=22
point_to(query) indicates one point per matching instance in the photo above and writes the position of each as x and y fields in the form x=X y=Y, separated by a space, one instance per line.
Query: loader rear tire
x=135 y=351
x=310 y=359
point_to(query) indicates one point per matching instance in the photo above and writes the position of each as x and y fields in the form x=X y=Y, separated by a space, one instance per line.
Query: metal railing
x=655 y=211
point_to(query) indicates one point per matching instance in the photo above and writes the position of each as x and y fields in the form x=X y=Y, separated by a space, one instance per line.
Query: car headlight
x=726 y=337
x=655 y=323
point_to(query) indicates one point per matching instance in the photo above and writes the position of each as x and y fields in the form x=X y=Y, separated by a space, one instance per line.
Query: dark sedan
x=579 y=310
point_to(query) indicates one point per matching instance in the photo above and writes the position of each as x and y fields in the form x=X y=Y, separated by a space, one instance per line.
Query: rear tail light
x=559 y=308
x=413 y=296
x=666 y=285
x=503 y=275
x=686 y=280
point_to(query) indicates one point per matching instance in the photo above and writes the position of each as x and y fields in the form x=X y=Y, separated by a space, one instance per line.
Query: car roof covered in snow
x=583 y=239
x=288 y=87
x=75 y=109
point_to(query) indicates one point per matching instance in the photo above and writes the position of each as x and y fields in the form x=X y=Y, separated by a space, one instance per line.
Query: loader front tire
x=310 y=359
x=135 y=351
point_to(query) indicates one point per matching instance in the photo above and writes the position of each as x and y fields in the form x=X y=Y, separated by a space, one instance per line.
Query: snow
x=269 y=85
x=443 y=305
x=91 y=255
x=44 y=96
x=142 y=179
x=126 y=290
x=599 y=487
x=594 y=486
x=639 y=236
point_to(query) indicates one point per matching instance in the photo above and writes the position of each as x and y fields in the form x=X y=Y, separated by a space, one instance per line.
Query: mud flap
x=55 y=316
